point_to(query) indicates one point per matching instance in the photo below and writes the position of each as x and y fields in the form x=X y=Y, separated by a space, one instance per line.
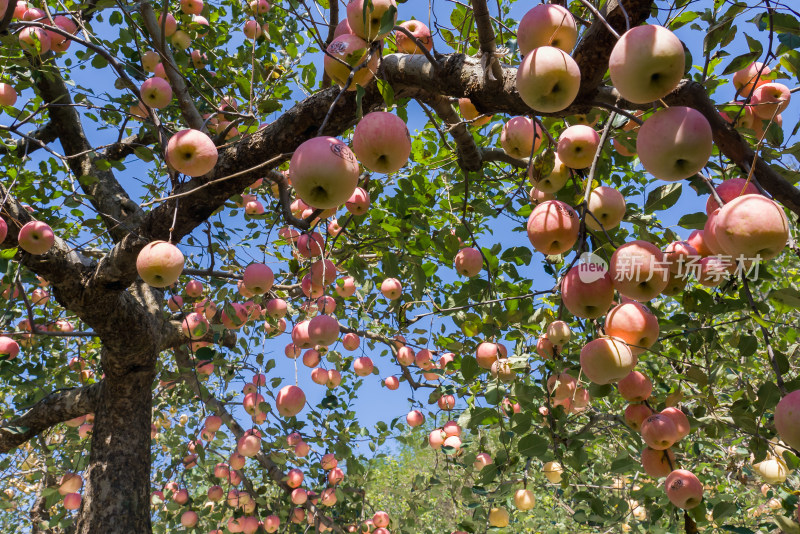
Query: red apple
x=674 y=143
x=353 y=51
x=366 y=20
x=391 y=288
x=608 y=207
x=639 y=270
x=588 y=299
x=36 y=237
x=418 y=30
x=633 y=323
x=553 y=227
x=290 y=401
x=324 y=172
x=577 y=146
x=635 y=414
x=684 y=489
x=752 y=226
x=659 y=432
x=606 y=360
x=358 y=203
x=770 y=99
x=520 y=137
x=381 y=142
x=635 y=387
x=159 y=263
x=658 y=463
x=469 y=262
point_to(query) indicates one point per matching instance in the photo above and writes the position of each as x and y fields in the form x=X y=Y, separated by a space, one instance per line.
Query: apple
x=659 y=432
x=424 y=360
x=639 y=270
x=351 y=341
x=192 y=7
x=787 y=413
x=72 y=501
x=260 y=7
x=633 y=323
x=684 y=490
x=498 y=517
x=189 y=518
x=537 y=196
x=678 y=254
x=191 y=152
x=558 y=332
x=319 y=376
x=547 y=25
x=181 y=40
x=358 y=203
x=342 y=28
x=635 y=414
x=35 y=41
x=381 y=142
x=487 y=353
x=552 y=472
x=482 y=460
x=524 y=499
x=561 y=386
x=9 y=349
x=159 y=264
x=324 y=172
x=730 y=189
x=415 y=418
x=345 y=287
x=195 y=326
x=714 y=270
x=471 y=113
x=752 y=226
x=697 y=240
x=391 y=382
x=252 y=29
x=548 y=79
x=577 y=146
x=363 y=366
x=3 y=225
x=156 y=92
x=380 y=519
x=348 y=52
x=553 y=227
x=587 y=300
x=36 y=238
x=606 y=360
x=544 y=347
x=272 y=523
x=8 y=95
x=70 y=483
x=520 y=137
x=746 y=79
x=418 y=30
x=674 y=143
x=679 y=419
x=770 y=99
x=405 y=356
x=553 y=182
x=175 y=303
x=658 y=463
x=367 y=21
x=290 y=401
x=607 y=208
x=468 y=262
x=635 y=387
x=436 y=438
x=391 y=288
x=323 y=330
x=170 y=26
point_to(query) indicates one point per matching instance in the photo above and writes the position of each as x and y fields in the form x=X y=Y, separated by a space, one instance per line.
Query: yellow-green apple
x=36 y=237
x=35 y=41
x=635 y=387
x=547 y=25
x=678 y=254
x=156 y=92
x=415 y=418
x=324 y=172
x=552 y=472
x=391 y=288
x=577 y=146
x=589 y=299
x=752 y=226
x=418 y=30
x=639 y=270
x=730 y=189
x=160 y=263
x=746 y=79
x=149 y=61
x=520 y=137
x=487 y=353
x=771 y=470
x=524 y=499
x=191 y=152
x=674 y=143
x=366 y=20
x=468 y=262
x=344 y=54
x=635 y=414
x=658 y=463
x=553 y=227
x=787 y=415
x=558 y=332
x=471 y=113
x=258 y=278
x=8 y=95
x=646 y=63
x=551 y=183
x=633 y=323
x=698 y=241
x=358 y=203
x=290 y=401
x=606 y=207
x=182 y=41
x=548 y=79
x=9 y=349
x=170 y=26
x=659 y=432
x=680 y=420
x=498 y=517
x=381 y=142
x=606 y=360
x=684 y=489
x=770 y=99
x=561 y=386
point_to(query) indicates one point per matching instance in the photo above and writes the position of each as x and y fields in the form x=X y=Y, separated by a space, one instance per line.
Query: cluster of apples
x=36 y=40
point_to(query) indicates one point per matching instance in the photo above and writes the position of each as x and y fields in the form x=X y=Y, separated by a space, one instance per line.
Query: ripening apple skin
x=678 y=254
x=635 y=414
x=342 y=28
x=608 y=207
x=674 y=143
x=324 y=172
x=358 y=203
x=606 y=360
x=697 y=240
x=586 y=300
x=72 y=501
x=679 y=419
x=418 y=30
x=577 y=146
x=471 y=113
x=290 y=401
x=8 y=96
x=189 y=518
x=558 y=332
x=659 y=432
x=367 y=23
x=635 y=387
x=684 y=490
x=353 y=51
x=524 y=499
x=771 y=470
x=36 y=237
x=170 y=26
x=363 y=366
x=35 y=41
x=488 y=353
x=391 y=288
x=552 y=472
x=710 y=234
x=381 y=142
x=537 y=196
x=498 y=517
x=195 y=326
x=730 y=189
x=520 y=137
x=192 y=153
x=751 y=226
x=746 y=79
x=633 y=323
x=658 y=463
x=469 y=262
x=415 y=418
x=553 y=227
x=9 y=349
x=156 y=92
x=770 y=99
x=548 y=79
x=252 y=29
x=787 y=415
x=159 y=264
x=646 y=63
x=547 y=25
x=323 y=330
x=544 y=347
x=639 y=270
x=258 y=278
x=565 y=388
x=553 y=182
x=70 y=483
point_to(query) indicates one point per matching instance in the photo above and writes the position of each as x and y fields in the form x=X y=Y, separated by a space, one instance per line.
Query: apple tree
x=399 y=267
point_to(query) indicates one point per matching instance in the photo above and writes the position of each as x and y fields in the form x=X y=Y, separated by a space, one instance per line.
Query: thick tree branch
x=55 y=408
x=469 y=155
x=486 y=40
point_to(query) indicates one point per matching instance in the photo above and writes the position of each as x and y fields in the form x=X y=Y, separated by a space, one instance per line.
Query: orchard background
x=135 y=408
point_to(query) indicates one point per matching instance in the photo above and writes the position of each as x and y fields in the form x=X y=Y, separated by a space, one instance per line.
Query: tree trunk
x=116 y=496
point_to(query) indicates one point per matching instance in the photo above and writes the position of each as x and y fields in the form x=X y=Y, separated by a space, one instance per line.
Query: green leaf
x=533 y=445
x=386 y=91
x=723 y=509
x=469 y=367
x=693 y=221
x=388 y=19
x=788 y=296
x=663 y=197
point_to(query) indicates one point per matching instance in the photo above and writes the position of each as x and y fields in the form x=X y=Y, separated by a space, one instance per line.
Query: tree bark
x=116 y=497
